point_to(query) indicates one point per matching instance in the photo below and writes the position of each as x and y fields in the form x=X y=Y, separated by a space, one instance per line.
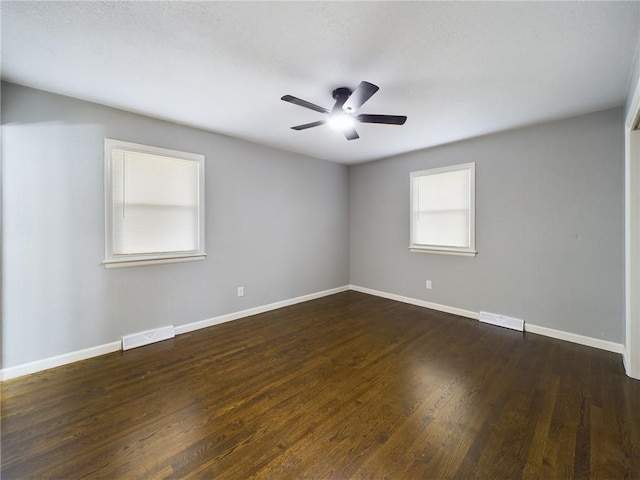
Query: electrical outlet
x=428 y=285
x=241 y=291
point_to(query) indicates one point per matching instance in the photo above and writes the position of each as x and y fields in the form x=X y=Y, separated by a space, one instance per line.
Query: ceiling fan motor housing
x=342 y=92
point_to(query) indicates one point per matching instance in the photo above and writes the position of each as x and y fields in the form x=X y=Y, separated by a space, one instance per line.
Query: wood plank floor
x=344 y=387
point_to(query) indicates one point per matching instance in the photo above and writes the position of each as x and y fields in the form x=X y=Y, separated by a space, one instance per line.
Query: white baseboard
x=189 y=327
x=419 y=303
x=575 y=338
x=58 y=360
x=528 y=327
x=52 y=362
x=47 y=363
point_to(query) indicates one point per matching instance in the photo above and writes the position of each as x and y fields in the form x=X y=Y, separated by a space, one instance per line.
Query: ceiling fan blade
x=387 y=119
x=304 y=103
x=309 y=125
x=361 y=94
x=351 y=134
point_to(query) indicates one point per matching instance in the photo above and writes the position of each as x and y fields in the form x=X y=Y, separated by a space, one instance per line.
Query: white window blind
x=154 y=203
x=442 y=210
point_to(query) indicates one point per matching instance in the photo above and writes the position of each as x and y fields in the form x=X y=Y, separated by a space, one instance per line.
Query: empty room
x=320 y=240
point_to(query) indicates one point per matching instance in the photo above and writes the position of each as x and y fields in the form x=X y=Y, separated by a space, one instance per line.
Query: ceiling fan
x=343 y=114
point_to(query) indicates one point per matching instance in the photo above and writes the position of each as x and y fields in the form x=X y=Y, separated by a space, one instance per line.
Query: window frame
x=112 y=260
x=469 y=251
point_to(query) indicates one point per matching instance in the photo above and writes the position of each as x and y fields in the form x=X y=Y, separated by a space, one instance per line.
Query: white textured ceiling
x=456 y=69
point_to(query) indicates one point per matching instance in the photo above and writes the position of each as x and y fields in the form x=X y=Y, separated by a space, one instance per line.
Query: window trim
x=469 y=251
x=119 y=261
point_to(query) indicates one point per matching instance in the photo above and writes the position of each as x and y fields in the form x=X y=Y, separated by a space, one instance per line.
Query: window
x=443 y=210
x=154 y=205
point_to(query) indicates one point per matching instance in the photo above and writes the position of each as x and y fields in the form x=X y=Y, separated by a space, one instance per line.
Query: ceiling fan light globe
x=341 y=122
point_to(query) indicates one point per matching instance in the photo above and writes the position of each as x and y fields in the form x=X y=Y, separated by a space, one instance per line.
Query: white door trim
x=632 y=238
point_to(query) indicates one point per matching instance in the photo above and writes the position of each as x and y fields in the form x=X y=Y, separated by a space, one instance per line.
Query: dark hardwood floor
x=344 y=387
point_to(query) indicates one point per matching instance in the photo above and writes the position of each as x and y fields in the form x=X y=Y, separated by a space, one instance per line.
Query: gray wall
x=276 y=223
x=550 y=227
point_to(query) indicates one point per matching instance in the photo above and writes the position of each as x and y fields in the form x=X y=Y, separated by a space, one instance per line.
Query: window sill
x=461 y=253
x=150 y=261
